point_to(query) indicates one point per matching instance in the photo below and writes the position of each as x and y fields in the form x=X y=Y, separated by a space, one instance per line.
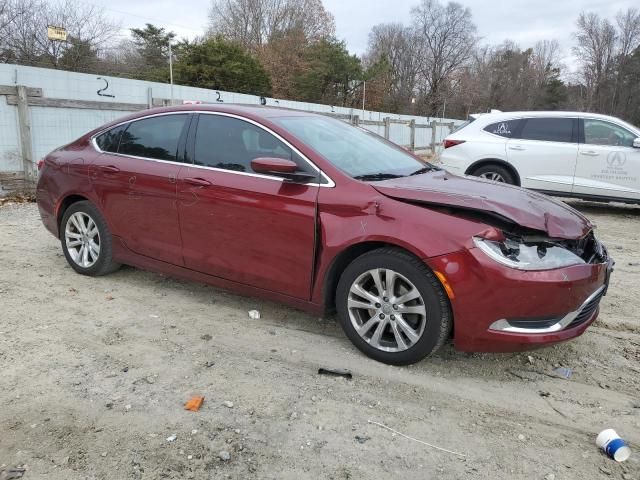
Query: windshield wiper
x=373 y=177
x=426 y=169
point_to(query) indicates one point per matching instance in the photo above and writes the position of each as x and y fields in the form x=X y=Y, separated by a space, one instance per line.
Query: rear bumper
x=499 y=309
x=47 y=209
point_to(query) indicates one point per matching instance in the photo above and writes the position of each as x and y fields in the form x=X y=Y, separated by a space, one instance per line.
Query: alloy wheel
x=495 y=176
x=387 y=310
x=82 y=239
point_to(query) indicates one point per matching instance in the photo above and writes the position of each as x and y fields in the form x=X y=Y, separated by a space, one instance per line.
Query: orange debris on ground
x=194 y=404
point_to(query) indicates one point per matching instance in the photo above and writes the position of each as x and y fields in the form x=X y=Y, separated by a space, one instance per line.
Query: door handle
x=590 y=153
x=200 y=182
x=109 y=168
x=516 y=147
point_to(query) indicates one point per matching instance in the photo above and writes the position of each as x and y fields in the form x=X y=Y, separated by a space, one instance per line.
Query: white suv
x=582 y=155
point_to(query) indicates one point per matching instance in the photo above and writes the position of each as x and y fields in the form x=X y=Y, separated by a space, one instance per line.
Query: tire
x=495 y=172
x=75 y=241
x=433 y=328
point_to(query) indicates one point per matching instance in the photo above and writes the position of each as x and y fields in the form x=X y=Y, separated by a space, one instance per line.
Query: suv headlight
x=540 y=256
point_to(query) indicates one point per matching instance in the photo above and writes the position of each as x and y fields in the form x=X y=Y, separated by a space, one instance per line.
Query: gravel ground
x=95 y=372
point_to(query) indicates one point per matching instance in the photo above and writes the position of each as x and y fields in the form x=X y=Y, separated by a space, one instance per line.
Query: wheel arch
x=343 y=259
x=64 y=204
x=494 y=161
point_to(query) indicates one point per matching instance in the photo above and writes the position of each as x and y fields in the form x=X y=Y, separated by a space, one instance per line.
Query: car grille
x=533 y=322
x=587 y=311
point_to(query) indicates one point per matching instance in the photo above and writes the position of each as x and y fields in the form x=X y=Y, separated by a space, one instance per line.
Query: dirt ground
x=95 y=372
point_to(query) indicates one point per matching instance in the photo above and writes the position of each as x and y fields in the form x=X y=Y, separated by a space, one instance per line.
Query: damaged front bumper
x=501 y=309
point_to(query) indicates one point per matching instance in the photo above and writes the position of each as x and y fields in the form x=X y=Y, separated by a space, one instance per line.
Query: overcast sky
x=523 y=21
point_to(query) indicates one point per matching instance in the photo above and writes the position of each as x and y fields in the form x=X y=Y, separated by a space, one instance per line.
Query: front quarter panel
x=359 y=214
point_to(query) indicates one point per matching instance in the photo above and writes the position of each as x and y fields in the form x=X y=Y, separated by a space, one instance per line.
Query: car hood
x=524 y=207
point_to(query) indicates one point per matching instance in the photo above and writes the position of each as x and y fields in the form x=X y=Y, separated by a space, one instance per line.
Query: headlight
x=528 y=257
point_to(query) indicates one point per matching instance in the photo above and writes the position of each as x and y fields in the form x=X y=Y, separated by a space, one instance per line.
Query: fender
x=361 y=226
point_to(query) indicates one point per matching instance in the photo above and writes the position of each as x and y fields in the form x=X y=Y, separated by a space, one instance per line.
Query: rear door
x=250 y=228
x=608 y=165
x=135 y=179
x=544 y=152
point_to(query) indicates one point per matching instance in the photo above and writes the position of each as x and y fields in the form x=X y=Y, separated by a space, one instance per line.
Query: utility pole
x=171 y=70
x=364 y=93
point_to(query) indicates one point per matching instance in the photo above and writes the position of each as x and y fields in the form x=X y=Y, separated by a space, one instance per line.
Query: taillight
x=40 y=164
x=451 y=143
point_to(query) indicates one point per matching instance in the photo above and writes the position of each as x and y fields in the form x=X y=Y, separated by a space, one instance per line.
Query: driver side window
x=231 y=144
x=599 y=132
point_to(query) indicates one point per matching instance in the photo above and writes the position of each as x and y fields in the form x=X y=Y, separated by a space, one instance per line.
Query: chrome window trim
x=330 y=183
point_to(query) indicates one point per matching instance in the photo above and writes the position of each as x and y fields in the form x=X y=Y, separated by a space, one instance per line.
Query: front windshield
x=358 y=153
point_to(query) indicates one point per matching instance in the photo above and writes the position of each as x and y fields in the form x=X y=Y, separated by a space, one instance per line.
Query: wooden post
x=24 y=126
x=387 y=127
x=434 y=127
x=355 y=120
x=412 y=135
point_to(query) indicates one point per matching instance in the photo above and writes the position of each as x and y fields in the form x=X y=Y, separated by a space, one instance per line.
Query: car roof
x=240 y=109
x=538 y=113
x=253 y=112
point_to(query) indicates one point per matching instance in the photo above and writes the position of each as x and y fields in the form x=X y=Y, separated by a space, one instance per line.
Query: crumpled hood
x=524 y=207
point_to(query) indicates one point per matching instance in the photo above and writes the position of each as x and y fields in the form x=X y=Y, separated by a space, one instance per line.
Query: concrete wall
x=52 y=127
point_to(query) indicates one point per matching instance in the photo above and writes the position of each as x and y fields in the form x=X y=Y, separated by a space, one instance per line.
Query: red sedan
x=309 y=211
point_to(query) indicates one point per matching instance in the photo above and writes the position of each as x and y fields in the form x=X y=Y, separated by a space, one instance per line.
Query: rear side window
x=231 y=144
x=548 y=129
x=463 y=124
x=505 y=129
x=109 y=140
x=155 y=137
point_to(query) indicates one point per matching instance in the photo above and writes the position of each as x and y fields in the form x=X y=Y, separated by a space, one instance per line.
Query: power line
x=146 y=18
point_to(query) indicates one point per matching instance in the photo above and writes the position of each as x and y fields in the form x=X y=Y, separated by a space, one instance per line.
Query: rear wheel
x=392 y=307
x=495 y=172
x=86 y=240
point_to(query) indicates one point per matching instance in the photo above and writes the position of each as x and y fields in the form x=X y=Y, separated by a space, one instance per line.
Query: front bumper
x=500 y=309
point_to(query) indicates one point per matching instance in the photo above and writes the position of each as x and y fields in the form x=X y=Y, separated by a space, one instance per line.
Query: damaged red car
x=309 y=211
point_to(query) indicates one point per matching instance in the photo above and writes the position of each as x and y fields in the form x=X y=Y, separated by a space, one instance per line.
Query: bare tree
x=628 y=24
x=253 y=23
x=396 y=46
x=447 y=37
x=89 y=30
x=596 y=43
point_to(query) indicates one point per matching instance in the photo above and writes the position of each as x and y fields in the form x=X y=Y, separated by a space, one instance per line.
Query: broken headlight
x=529 y=256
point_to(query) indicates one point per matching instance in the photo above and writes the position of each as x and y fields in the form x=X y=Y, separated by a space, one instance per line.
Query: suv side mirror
x=636 y=142
x=281 y=167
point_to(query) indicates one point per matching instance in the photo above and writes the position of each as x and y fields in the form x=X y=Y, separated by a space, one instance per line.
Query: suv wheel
x=495 y=172
x=392 y=307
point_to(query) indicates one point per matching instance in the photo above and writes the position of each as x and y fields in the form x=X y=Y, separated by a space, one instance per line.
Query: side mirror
x=281 y=167
x=636 y=142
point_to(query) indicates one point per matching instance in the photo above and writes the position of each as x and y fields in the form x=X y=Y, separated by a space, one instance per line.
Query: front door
x=608 y=165
x=545 y=153
x=253 y=229
x=135 y=180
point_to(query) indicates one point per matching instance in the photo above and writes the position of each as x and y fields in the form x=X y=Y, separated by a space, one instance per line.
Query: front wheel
x=86 y=240
x=392 y=307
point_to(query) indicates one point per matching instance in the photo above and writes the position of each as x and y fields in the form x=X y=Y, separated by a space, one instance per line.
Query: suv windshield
x=358 y=153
